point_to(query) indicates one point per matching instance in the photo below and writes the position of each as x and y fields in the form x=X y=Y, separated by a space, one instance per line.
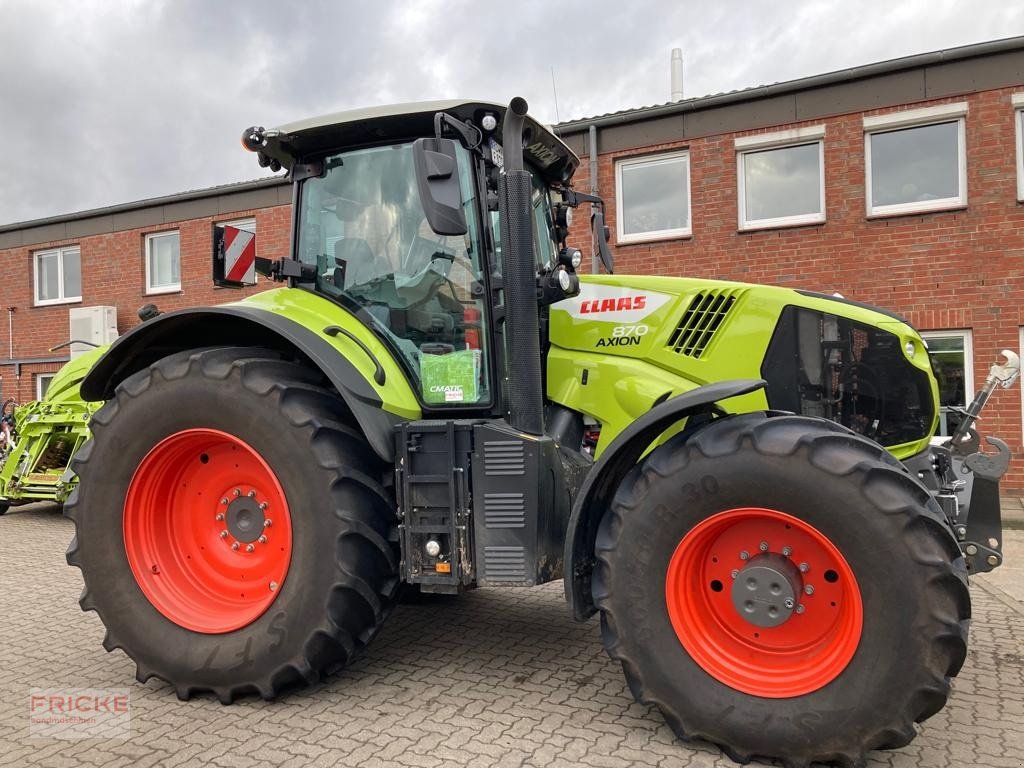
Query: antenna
x=554 y=92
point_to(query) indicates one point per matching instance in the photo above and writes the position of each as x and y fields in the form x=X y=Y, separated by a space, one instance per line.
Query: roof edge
x=149 y=202
x=946 y=55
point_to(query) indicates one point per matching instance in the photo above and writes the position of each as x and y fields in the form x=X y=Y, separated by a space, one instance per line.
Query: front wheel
x=781 y=587
x=233 y=532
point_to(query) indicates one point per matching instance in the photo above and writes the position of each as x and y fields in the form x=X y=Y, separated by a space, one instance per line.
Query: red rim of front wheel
x=728 y=591
x=207 y=531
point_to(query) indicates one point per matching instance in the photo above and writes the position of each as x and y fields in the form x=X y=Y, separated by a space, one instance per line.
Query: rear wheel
x=233 y=531
x=781 y=587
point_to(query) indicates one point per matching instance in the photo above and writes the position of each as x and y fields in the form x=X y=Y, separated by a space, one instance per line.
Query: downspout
x=10 y=331
x=592 y=155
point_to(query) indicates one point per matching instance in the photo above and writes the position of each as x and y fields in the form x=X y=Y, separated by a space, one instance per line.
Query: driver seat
x=356 y=263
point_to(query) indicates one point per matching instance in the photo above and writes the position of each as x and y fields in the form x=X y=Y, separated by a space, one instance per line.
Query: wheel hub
x=197 y=535
x=766 y=590
x=245 y=519
x=764 y=602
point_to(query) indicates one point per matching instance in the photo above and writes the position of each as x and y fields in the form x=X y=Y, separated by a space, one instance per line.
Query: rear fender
x=607 y=473
x=244 y=324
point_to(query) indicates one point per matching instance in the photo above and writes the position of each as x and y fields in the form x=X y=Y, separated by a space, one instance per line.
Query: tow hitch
x=965 y=481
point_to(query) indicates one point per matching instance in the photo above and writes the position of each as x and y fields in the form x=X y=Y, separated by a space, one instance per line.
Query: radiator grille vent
x=504 y=563
x=701 y=321
x=504 y=457
x=504 y=510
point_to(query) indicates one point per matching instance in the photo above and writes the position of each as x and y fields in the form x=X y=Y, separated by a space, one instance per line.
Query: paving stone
x=493 y=678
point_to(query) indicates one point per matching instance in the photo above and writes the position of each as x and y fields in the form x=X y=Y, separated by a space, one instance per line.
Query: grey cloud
x=107 y=102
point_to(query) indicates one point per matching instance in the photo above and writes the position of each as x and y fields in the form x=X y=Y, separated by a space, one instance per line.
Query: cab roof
x=391 y=123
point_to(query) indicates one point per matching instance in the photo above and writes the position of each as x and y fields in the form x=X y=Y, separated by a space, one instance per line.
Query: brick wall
x=113 y=273
x=951 y=270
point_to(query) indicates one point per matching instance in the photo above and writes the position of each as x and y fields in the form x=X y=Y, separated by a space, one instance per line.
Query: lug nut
x=223 y=501
x=273 y=586
x=735 y=572
x=744 y=555
x=804 y=567
x=250 y=548
x=809 y=589
x=235 y=546
x=763 y=546
x=263 y=505
x=223 y=534
x=267 y=523
x=238 y=492
x=800 y=608
x=789 y=603
x=219 y=517
x=787 y=551
x=262 y=539
x=252 y=494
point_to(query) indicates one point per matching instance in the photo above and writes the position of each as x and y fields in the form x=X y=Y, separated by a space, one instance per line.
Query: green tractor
x=739 y=479
x=35 y=465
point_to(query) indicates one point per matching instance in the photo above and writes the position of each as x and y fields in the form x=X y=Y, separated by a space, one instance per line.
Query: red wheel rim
x=207 y=531
x=704 y=594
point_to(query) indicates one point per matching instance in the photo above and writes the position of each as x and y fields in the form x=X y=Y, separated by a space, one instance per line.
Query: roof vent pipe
x=677 y=74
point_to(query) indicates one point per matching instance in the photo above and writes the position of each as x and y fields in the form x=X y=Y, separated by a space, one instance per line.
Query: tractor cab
x=396 y=219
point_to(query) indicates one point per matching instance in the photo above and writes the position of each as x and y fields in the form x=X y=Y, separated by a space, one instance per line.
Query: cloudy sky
x=104 y=102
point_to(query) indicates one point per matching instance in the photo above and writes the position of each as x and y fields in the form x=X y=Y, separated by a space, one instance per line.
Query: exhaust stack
x=522 y=326
x=677 y=74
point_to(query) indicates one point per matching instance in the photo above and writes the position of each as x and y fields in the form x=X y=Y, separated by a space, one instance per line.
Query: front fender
x=604 y=478
x=266 y=320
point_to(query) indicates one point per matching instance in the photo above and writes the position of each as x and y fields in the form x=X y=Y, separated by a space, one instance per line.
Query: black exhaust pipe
x=522 y=325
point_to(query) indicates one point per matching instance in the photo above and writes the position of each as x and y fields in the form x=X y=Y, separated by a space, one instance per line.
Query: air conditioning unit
x=94 y=324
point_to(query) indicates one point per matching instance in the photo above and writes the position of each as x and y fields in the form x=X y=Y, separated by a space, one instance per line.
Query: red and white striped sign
x=239 y=255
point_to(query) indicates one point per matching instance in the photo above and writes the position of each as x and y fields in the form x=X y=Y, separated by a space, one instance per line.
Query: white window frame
x=241 y=224
x=968 y=337
x=62 y=299
x=152 y=290
x=661 y=234
x=917 y=118
x=39 y=383
x=793 y=137
x=1018 y=115
x=1020 y=384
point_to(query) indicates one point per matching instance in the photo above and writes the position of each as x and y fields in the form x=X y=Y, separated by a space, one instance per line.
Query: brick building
x=898 y=184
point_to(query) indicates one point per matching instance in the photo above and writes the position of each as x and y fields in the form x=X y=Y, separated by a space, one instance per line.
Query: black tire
x=911 y=574
x=4 y=506
x=342 y=576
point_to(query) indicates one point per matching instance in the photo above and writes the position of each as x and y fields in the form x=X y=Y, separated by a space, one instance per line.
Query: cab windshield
x=362 y=225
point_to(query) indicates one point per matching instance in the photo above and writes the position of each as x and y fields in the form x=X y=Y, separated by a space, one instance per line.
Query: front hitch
x=969 y=485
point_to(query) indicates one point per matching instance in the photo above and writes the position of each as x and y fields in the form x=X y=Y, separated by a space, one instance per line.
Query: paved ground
x=489 y=679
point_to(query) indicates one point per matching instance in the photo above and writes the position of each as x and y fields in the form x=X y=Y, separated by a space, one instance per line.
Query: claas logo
x=594 y=306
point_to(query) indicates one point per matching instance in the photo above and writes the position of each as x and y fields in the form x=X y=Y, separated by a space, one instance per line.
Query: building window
x=953 y=362
x=781 y=178
x=249 y=225
x=58 y=275
x=1018 y=120
x=163 y=263
x=915 y=161
x=42 y=384
x=653 y=197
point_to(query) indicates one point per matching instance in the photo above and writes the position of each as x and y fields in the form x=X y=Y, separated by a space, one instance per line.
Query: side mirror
x=234 y=256
x=437 y=177
x=601 y=235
